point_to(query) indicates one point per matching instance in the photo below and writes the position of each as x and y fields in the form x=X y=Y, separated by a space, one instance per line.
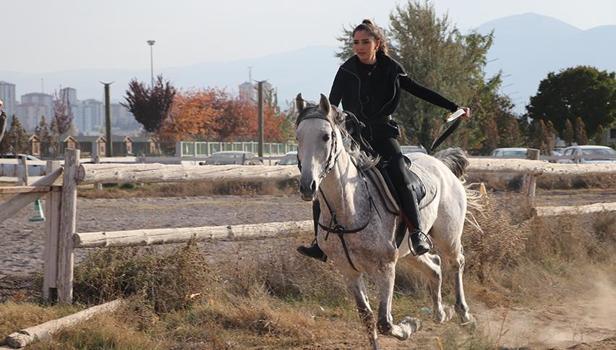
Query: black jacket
x=386 y=81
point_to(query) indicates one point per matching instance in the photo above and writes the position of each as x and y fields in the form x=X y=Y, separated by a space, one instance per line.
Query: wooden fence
x=60 y=187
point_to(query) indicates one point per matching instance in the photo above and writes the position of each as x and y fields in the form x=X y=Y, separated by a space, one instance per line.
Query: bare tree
x=63 y=113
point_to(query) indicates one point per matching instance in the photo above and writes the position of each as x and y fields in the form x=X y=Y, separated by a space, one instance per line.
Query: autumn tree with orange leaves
x=213 y=115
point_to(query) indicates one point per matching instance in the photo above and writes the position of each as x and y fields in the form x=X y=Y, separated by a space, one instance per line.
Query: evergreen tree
x=537 y=135
x=53 y=139
x=16 y=139
x=581 y=137
x=568 y=133
x=42 y=132
x=550 y=137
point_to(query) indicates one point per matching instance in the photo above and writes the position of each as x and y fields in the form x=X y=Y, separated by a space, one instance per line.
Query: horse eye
x=326 y=137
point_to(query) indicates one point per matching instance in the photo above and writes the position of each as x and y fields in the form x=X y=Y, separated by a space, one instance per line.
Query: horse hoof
x=414 y=324
x=469 y=321
x=445 y=315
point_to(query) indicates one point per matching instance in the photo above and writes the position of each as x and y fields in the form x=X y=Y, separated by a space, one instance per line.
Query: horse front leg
x=385 y=278
x=357 y=288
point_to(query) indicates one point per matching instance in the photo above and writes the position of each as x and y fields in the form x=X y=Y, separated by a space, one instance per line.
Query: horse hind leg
x=357 y=288
x=430 y=266
x=384 y=278
x=461 y=306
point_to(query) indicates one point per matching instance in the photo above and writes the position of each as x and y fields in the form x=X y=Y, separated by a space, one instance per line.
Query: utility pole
x=261 y=120
x=151 y=43
x=109 y=146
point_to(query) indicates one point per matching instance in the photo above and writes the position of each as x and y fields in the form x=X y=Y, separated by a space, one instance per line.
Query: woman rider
x=368 y=85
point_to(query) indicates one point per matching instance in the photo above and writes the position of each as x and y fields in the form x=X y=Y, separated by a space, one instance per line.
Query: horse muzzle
x=308 y=188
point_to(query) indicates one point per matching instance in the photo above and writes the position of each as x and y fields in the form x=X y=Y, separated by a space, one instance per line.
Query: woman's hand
x=467 y=113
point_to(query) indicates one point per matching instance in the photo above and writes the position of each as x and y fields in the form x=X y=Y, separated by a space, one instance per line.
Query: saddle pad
x=382 y=188
x=388 y=198
x=431 y=190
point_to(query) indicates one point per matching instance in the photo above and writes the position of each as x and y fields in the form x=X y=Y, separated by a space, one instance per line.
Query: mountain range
x=526 y=48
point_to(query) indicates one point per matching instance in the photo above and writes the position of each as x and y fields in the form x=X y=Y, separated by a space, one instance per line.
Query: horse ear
x=299 y=102
x=324 y=105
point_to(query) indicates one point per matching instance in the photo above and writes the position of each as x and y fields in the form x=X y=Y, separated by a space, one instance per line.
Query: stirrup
x=312 y=251
x=423 y=238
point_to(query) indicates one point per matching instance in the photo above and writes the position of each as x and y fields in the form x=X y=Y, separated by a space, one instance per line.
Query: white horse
x=357 y=231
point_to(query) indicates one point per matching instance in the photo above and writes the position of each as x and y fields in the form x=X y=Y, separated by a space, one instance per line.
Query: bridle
x=334 y=153
x=330 y=163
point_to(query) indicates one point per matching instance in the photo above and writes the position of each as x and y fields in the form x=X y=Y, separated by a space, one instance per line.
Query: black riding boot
x=419 y=241
x=313 y=250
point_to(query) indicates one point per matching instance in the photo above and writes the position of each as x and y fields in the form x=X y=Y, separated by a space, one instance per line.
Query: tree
x=581 y=137
x=598 y=140
x=16 y=139
x=42 y=132
x=568 y=133
x=150 y=106
x=63 y=113
x=537 y=135
x=578 y=91
x=549 y=137
x=53 y=139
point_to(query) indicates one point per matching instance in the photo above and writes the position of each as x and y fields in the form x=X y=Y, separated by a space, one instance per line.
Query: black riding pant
x=389 y=150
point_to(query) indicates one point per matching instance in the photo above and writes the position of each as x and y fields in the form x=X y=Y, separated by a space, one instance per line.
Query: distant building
x=69 y=94
x=248 y=91
x=7 y=95
x=32 y=107
x=89 y=117
x=122 y=121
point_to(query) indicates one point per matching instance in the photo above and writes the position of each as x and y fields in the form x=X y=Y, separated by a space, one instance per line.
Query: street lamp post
x=151 y=43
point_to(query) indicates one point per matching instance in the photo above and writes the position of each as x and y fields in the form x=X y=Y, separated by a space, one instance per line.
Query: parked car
x=232 y=157
x=18 y=156
x=33 y=169
x=510 y=152
x=288 y=159
x=588 y=154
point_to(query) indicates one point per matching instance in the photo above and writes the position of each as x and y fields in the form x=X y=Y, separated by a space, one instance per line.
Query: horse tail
x=455 y=159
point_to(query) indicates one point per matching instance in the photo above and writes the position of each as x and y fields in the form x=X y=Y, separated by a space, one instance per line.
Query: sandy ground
x=566 y=322
x=22 y=241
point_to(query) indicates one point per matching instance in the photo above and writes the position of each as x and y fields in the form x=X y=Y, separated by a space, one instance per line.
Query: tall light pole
x=151 y=43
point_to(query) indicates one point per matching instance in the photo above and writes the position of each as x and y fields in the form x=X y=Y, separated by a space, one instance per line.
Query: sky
x=47 y=36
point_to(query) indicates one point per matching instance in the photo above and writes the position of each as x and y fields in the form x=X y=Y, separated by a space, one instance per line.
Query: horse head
x=319 y=142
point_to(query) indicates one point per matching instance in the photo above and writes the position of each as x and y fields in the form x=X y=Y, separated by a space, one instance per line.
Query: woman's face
x=365 y=46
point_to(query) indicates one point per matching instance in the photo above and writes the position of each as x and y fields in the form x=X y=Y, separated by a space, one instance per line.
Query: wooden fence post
x=97 y=160
x=52 y=226
x=68 y=221
x=22 y=171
